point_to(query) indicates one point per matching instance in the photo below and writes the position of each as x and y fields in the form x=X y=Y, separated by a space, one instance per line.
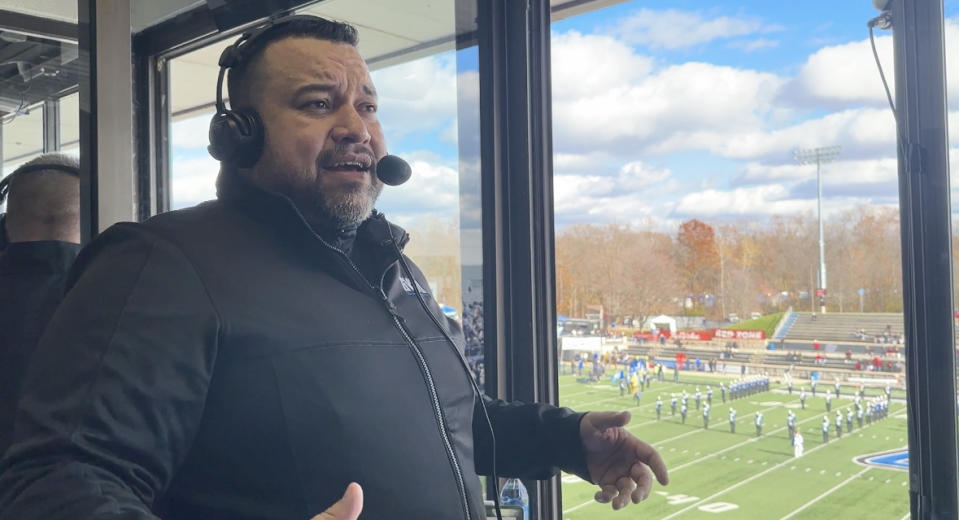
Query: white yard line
x=907 y=516
x=581 y=405
x=754 y=477
x=574 y=508
x=734 y=446
x=700 y=430
x=824 y=495
x=753 y=439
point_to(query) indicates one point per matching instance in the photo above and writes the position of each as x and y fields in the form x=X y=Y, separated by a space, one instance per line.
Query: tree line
x=715 y=269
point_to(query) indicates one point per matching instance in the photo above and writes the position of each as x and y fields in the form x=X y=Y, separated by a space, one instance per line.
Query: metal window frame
x=38 y=26
x=923 y=150
x=51 y=125
x=517 y=194
x=86 y=43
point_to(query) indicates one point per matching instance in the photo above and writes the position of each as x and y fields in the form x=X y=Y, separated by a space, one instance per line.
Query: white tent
x=661 y=322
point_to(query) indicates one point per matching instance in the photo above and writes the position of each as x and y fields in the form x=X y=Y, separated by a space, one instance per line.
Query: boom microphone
x=392 y=170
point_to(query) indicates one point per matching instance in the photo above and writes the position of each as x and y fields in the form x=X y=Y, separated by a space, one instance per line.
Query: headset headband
x=40 y=166
x=234 y=54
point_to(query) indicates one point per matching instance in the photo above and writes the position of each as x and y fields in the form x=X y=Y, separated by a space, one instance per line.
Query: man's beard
x=349 y=206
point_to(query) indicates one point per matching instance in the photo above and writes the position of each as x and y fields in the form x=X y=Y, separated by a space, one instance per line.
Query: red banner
x=701 y=335
x=739 y=334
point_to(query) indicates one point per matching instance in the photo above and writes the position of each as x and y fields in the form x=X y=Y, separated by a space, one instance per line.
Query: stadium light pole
x=819 y=156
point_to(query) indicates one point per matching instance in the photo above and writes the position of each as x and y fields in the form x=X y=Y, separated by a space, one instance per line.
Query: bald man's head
x=44 y=204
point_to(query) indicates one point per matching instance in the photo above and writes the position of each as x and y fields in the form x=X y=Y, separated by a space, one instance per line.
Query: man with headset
x=39 y=238
x=212 y=362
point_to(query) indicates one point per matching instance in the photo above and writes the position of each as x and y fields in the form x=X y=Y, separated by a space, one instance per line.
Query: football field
x=716 y=474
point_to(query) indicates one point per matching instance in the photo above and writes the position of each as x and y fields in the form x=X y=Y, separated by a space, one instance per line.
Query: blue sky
x=663 y=111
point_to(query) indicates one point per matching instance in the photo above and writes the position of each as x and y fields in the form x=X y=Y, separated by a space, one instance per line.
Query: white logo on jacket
x=408 y=286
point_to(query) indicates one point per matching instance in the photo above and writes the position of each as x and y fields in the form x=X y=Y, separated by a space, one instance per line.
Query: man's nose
x=350 y=126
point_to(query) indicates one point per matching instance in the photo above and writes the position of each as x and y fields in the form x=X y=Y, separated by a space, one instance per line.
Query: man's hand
x=348 y=507
x=618 y=462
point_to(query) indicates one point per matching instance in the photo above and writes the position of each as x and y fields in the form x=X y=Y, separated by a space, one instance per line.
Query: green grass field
x=765 y=323
x=715 y=474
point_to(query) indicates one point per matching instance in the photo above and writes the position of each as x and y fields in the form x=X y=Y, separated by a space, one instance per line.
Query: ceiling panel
x=412 y=20
x=61 y=10
x=146 y=13
x=391 y=31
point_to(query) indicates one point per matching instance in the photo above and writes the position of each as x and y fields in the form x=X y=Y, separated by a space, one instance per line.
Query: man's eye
x=370 y=107
x=316 y=103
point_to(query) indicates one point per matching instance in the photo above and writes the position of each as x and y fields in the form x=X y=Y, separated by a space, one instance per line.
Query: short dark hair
x=43 y=200
x=308 y=27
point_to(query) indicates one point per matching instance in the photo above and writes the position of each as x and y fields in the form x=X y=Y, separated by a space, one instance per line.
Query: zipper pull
x=391 y=308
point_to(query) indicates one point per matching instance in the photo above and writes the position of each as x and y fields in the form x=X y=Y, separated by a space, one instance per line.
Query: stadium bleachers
x=842 y=327
x=790 y=320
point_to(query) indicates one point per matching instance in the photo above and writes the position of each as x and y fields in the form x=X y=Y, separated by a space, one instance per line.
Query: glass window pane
x=22 y=135
x=689 y=140
x=70 y=121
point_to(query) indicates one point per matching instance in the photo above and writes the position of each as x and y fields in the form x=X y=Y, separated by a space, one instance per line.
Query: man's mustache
x=347 y=153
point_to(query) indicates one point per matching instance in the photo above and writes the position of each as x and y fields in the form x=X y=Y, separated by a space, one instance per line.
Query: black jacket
x=225 y=362
x=32 y=276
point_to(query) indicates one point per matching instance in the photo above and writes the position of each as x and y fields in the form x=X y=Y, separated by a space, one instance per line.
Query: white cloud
x=193 y=181
x=674 y=29
x=846 y=75
x=631 y=195
x=755 y=45
x=842 y=173
x=432 y=190
x=768 y=199
x=866 y=132
x=191 y=133
x=685 y=98
x=639 y=174
x=419 y=95
x=842 y=76
x=584 y=65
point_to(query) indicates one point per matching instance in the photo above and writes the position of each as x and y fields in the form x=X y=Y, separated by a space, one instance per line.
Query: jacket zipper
x=437 y=410
x=421 y=360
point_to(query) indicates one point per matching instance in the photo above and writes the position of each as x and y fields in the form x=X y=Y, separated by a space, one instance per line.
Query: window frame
x=518 y=249
x=925 y=209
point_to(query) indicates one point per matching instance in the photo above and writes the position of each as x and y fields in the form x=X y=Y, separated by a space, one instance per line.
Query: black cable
x=884 y=21
x=469 y=375
x=872 y=41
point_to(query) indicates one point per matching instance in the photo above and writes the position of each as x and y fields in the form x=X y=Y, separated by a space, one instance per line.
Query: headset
x=236 y=135
x=23 y=170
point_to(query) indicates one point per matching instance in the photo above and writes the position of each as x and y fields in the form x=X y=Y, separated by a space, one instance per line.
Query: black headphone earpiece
x=236 y=137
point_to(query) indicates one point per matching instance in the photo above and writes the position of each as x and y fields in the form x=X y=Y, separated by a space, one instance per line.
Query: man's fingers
x=606 y=493
x=651 y=457
x=604 y=420
x=625 y=486
x=644 y=482
x=347 y=508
